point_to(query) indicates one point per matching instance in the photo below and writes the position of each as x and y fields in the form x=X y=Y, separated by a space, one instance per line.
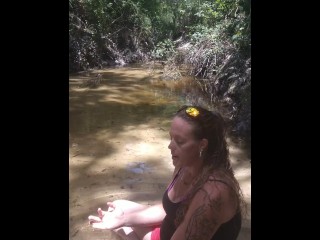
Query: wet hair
x=211 y=126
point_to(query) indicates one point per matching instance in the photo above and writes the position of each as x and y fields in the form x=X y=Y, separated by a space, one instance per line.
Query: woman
x=203 y=201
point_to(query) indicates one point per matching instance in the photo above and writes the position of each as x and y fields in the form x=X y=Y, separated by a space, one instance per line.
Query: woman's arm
x=150 y=216
x=210 y=207
x=117 y=216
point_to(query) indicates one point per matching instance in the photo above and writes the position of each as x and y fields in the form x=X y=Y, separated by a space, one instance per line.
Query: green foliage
x=164 y=50
x=129 y=23
x=218 y=34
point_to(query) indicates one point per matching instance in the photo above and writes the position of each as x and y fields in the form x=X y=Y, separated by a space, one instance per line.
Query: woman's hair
x=211 y=126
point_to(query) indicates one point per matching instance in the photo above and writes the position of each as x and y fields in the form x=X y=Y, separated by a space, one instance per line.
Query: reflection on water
x=118 y=138
x=125 y=95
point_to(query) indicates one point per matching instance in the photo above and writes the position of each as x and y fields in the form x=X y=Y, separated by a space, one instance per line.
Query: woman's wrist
x=126 y=220
x=123 y=218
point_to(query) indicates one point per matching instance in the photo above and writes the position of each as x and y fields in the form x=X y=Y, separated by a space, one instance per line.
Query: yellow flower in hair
x=192 y=111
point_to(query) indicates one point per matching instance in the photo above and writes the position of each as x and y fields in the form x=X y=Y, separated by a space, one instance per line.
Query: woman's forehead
x=181 y=126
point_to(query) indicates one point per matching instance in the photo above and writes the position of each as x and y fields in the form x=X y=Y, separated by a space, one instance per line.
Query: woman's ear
x=203 y=144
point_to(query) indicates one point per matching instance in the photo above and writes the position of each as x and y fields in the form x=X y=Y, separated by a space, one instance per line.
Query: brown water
x=118 y=138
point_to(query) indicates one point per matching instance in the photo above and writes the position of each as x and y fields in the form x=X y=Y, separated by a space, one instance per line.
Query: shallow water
x=118 y=138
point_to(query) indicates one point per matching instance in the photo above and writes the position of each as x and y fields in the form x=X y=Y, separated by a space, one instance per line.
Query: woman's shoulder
x=218 y=200
x=221 y=177
x=217 y=185
x=220 y=188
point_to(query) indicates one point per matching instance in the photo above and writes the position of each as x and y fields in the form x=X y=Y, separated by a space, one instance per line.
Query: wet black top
x=227 y=231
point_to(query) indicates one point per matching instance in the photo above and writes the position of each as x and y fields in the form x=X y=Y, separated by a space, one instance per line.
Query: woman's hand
x=110 y=219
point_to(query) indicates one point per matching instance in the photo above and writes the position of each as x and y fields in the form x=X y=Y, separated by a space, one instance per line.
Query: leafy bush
x=164 y=50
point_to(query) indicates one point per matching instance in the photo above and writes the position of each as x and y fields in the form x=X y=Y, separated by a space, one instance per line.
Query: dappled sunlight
x=118 y=143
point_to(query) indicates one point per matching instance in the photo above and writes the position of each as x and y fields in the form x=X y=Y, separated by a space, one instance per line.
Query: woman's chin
x=175 y=161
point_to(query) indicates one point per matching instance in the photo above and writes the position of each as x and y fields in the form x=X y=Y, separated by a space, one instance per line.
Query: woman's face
x=184 y=146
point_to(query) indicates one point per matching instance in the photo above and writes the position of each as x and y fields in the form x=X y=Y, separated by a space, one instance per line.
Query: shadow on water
x=118 y=137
